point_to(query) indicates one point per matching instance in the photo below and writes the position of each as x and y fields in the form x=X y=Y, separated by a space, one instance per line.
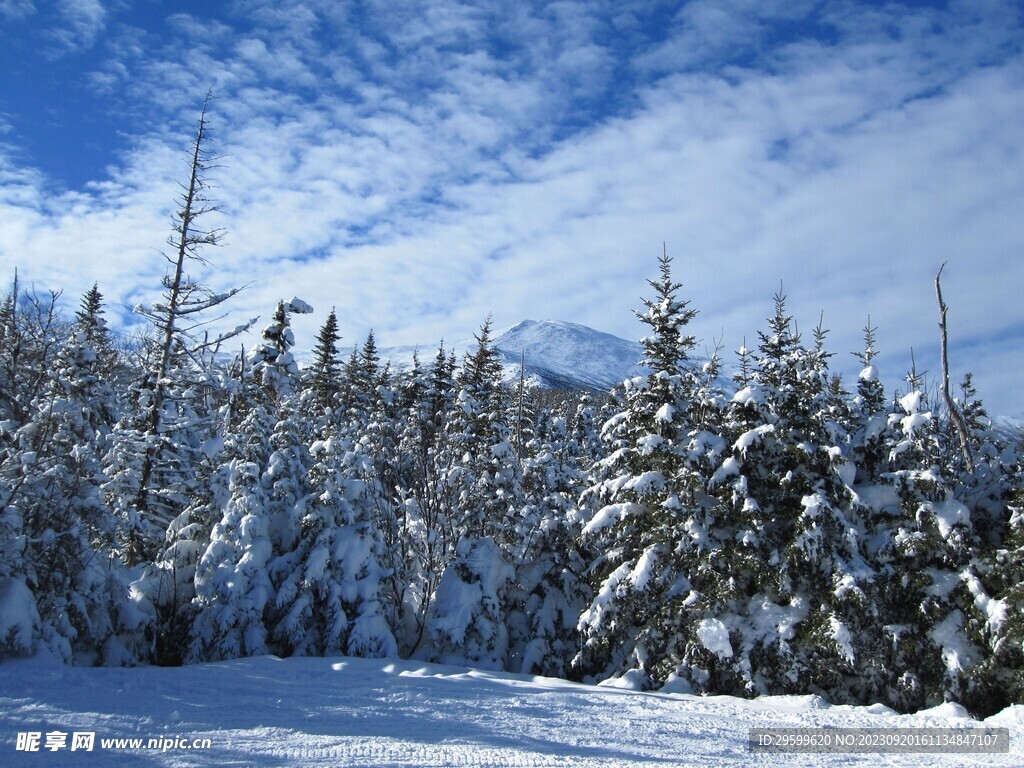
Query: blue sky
x=419 y=165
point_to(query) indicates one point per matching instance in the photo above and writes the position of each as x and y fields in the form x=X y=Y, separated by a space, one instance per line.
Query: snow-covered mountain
x=1010 y=428
x=556 y=355
x=567 y=356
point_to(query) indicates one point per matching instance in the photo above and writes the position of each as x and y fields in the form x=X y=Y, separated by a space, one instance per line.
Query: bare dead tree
x=954 y=411
x=519 y=405
x=179 y=318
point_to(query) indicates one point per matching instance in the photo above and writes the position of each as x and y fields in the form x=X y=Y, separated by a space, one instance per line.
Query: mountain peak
x=557 y=354
x=568 y=355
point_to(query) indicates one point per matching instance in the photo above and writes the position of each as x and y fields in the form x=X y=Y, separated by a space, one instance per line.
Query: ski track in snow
x=360 y=712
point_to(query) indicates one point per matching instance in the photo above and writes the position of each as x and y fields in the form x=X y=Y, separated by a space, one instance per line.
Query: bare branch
x=954 y=412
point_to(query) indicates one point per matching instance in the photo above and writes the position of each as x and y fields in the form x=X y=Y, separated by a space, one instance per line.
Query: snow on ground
x=359 y=712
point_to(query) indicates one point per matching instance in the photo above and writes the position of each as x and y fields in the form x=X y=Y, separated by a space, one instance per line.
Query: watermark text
x=882 y=740
x=86 y=741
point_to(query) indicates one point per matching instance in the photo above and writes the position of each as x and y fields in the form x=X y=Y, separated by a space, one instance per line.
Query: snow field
x=306 y=712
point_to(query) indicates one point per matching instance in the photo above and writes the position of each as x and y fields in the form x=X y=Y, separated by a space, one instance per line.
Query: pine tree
x=550 y=591
x=62 y=538
x=324 y=375
x=649 y=520
x=274 y=369
x=328 y=584
x=425 y=502
x=481 y=477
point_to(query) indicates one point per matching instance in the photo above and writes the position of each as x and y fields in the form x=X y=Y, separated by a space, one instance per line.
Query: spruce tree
x=62 y=540
x=323 y=379
x=481 y=477
x=274 y=368
x=383 y=468
x=800 y=554
x=328 y=583
x=90 y=321
x=484 y=468
x=232 y=588
x=649 y=521
x=869 y=414
x=549 y=590
x=998 y=679
x=231 y=582
x=361 y=377
x=425 y=500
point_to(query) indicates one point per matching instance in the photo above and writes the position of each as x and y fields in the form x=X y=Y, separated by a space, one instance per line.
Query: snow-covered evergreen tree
x=909 y=545
x=260 y=486
x=926 y=593
x=323 y=377
x=481 y=476
x=361 y=375
x=485 y=468
x=274 y=367
x=231 y=582
x=869 y=413
x=799 y=554
x=549 y=591
x=383 y=470
x=650 y=521
x=59 y=541
x=31 y=331
x=89 y=321
x=199 y=617
x=467 y=625
x=328 y=584
x=998 y=624
x=586 y=433
x=968 y=531
x=425 y=502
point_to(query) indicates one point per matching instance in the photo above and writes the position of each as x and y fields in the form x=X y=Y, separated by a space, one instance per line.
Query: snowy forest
x=777 y=530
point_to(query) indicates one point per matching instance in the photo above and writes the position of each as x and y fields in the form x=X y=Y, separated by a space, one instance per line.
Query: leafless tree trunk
x=954 y=412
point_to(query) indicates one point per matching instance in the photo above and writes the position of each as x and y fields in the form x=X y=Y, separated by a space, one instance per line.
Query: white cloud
x=80 y=23
x=16 y=10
